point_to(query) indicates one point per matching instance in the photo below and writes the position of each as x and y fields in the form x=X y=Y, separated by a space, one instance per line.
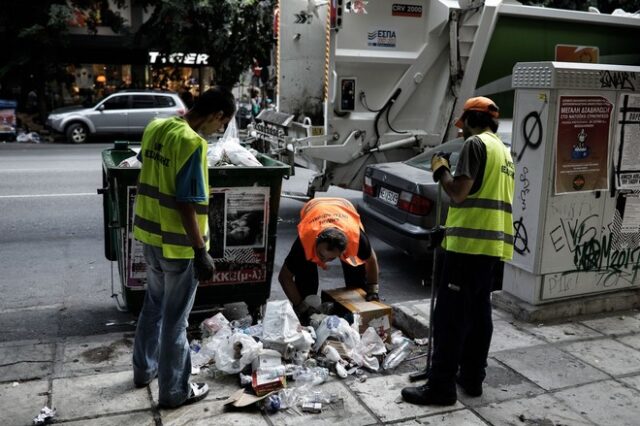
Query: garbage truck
x=361 y=82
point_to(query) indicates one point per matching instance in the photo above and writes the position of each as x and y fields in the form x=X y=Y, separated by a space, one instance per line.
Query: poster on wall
x=136 y=270
x=582 y=144
x=627 y=161
x=238 y=222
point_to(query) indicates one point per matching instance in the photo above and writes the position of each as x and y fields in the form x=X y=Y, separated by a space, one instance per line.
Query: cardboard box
x=268 y=373
x=351 y=301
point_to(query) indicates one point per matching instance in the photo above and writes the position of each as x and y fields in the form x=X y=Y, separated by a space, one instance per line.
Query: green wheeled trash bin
x=243 y=209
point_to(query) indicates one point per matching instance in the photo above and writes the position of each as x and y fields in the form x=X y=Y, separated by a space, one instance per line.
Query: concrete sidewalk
x=584 y=372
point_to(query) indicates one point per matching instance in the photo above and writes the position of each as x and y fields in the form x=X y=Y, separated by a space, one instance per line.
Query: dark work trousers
x=462 y=319
x=306 y=277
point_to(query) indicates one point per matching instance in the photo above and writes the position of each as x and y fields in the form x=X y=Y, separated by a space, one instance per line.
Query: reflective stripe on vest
x=483 y=222
x=167 y=144
x=322 y=213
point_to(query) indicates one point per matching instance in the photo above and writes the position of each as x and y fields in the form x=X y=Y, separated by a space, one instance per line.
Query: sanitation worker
x=329 y=228
x=478 y=237
x=172 y=223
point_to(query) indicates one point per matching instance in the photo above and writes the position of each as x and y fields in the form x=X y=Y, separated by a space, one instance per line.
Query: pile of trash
x=227 y=151
x=280 y=363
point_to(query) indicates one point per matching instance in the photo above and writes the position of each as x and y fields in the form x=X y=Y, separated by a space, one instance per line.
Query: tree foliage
x=232 y=32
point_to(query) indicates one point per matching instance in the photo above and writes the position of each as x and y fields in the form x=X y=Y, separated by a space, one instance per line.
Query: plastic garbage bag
x=336 y=327
x=132 y=162
x=212 y=325
x=227 y=150
x=31 y=137
x=370 y=345
x=280 y=324
x=235 y=351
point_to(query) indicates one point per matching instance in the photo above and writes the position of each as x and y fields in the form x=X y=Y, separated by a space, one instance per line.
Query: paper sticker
x=411 y=10
x=381 y=38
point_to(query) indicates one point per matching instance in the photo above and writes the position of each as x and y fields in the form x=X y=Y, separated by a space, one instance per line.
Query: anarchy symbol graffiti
x=520 y=238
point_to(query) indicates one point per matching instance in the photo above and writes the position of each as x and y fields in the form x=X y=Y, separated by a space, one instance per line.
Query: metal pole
x=425 y=374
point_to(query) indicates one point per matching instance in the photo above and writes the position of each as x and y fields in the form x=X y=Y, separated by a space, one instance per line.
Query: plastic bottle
x=397 y=355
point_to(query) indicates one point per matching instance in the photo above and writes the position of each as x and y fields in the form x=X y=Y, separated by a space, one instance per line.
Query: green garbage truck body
x=382 y=86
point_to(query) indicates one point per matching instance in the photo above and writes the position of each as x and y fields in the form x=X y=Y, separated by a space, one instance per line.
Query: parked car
x=126 y=112
x=399 y=200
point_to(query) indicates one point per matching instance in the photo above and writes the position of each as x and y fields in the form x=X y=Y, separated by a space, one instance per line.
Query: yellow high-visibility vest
x=167 y=144
x=483 y=222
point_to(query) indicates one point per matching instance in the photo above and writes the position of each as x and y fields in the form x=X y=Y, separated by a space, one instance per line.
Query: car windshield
x=423 y=161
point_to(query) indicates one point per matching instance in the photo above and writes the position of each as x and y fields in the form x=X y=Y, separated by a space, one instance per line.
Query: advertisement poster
x=238 y=222
x=136 y=274
x=627 y=160
x=582 y=144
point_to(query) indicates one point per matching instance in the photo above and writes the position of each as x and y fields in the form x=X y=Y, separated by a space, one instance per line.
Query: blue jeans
x=161 y=345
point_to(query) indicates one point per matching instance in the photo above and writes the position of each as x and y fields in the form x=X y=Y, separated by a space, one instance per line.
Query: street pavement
x=584 y=371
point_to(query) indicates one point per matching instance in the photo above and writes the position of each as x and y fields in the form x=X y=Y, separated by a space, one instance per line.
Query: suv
x=126 y=112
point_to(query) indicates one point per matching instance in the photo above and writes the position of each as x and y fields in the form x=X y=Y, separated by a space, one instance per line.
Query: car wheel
x=77 y=133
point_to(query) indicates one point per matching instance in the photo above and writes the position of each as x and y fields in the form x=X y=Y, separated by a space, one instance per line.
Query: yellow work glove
x=440 y=163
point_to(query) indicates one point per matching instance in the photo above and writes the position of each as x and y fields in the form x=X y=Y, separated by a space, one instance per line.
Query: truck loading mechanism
x=380 y=81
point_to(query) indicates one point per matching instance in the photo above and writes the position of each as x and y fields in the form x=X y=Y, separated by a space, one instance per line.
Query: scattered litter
x=131 y=162
x=281 y=364
x=569 y=333
x=114 y=323
x=421 y=341
x=14 y=384
x=312 y=407
x=45 y=417
x=31 y=137
x=402 y=348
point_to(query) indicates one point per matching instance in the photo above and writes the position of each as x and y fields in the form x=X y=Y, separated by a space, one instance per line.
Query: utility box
x=576 y=208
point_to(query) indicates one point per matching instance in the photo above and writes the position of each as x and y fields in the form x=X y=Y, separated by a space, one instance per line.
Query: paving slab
x=614 y=325
x=457 y=418
x=348 y=411
x=501 y=384
x=207 y=413
x=604 y=403
x=21 y=402
x=382 y=396
x=99 y=394
x=633 y=341
x=633 y=381
x=97 y=353
x=507 y=337
x=550 y=368
x=31 y=361
x=565 y=332
x=144 y=418
x=541 y=410
x=606 y=354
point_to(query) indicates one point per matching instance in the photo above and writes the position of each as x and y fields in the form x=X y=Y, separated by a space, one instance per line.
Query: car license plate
x=388 y=196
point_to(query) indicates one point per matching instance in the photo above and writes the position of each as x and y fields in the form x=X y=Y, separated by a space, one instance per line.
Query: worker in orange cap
x=478 y=238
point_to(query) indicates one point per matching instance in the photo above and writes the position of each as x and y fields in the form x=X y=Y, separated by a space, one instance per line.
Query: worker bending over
x=329 y=228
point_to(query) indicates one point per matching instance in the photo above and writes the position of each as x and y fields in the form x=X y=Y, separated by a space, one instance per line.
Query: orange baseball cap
x=481 y=104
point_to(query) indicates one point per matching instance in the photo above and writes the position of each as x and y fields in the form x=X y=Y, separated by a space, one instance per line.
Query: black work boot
x=428 y=395
x=469 y=387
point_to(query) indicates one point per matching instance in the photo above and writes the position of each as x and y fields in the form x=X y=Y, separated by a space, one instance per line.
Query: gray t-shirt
x=472 y=161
